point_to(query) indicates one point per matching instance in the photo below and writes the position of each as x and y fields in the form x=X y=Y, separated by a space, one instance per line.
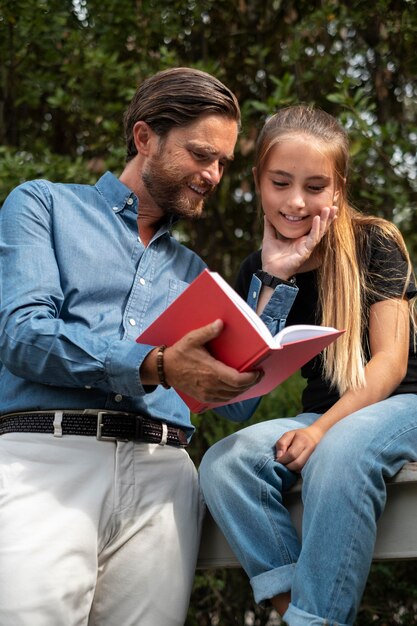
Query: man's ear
x=144 y=137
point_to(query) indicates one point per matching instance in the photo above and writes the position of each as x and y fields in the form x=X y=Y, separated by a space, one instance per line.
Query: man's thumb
x=216 y=327
x=207 y=333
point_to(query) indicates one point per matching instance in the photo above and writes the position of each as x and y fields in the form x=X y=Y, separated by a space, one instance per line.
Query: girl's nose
x=296 y=199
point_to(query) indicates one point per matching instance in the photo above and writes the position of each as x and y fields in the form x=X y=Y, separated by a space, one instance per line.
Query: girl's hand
x=284 y=257
x=294 y=448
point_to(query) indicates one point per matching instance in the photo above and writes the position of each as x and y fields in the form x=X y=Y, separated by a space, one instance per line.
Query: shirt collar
x=116 y=193
x=119 y=197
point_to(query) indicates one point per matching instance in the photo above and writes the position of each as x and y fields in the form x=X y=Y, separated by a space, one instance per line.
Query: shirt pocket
x=175 y=288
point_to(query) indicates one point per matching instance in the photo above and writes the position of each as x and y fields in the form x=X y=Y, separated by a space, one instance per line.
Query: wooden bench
x=397 y=528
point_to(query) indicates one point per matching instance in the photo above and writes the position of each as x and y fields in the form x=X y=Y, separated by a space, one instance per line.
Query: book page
x=300 y=332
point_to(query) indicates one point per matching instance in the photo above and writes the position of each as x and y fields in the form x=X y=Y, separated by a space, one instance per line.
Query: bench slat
x=397 y=528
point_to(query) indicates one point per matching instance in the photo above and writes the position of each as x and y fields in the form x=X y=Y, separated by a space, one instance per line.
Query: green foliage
x=224 y=598
x=69 y=68
x=390 y=596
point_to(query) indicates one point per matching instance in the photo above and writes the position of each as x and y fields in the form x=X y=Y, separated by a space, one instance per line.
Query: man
x=100 y=509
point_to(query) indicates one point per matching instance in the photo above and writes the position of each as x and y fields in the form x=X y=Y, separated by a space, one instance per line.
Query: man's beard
x=169 y=191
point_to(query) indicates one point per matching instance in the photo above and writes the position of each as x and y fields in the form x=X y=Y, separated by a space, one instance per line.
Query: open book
x=245 y=342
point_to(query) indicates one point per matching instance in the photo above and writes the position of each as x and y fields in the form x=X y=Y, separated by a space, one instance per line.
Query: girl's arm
x=389 y=345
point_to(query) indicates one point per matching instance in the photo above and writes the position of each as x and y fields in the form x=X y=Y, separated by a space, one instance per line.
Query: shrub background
x=68 y=68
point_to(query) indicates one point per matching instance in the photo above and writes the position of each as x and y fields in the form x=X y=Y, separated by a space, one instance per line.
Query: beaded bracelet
x=160 y=367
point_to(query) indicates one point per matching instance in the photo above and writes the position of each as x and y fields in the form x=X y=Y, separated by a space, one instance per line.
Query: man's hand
x=284 y=257
x=295 y=447
x=190 y=368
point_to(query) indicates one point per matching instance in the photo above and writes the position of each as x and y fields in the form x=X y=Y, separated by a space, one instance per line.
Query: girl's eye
x=279 y=183
x=316 y=188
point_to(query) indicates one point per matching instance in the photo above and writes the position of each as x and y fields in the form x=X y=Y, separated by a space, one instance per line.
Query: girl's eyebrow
x=321 y=177
x=280 y=173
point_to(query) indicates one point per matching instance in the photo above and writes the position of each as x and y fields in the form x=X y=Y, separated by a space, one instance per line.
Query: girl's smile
x=292 y=218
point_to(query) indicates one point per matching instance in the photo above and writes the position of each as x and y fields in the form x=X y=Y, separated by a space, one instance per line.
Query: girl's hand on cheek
x=283 y=257
x=321 y=224
x=327 y=217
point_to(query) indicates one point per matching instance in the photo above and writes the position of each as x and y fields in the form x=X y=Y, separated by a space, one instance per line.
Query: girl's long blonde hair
x=342 y=286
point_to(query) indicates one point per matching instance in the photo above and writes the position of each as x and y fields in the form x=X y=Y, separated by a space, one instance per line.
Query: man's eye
x=199 y=156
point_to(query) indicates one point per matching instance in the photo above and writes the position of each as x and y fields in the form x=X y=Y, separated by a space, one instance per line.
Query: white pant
x=95 y=532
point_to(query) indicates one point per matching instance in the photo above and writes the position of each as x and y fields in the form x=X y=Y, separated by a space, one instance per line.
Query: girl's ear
x=255 y=178
x=336 y=196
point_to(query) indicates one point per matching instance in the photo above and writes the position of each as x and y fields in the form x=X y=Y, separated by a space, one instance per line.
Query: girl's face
x=297 y=181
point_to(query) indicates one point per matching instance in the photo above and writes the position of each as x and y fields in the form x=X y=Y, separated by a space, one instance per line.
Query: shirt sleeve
x=36 y=341
x=276 y=311
x=249 y=286
x=387 y=271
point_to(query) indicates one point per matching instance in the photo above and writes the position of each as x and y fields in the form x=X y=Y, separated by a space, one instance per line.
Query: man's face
x=188 y=164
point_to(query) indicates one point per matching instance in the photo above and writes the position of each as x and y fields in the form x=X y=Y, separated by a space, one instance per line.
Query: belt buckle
x=99 y=435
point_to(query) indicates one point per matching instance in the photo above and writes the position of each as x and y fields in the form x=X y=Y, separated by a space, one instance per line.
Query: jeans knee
x=228 y=464
x=340 y=470
x=215 y=467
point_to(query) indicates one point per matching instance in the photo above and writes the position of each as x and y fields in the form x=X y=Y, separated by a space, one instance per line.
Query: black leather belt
x=105 y=426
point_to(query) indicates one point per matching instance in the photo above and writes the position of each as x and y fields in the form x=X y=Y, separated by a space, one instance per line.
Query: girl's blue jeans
x=343 y=493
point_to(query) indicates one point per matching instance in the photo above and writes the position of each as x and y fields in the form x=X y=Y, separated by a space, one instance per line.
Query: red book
x=245 y=342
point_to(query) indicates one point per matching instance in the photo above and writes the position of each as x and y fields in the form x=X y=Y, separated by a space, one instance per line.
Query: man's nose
x=213 y=173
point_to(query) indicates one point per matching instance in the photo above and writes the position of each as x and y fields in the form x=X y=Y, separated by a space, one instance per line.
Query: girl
x=359 y=419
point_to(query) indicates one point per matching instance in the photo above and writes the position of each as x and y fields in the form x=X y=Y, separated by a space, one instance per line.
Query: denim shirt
x=77 y=288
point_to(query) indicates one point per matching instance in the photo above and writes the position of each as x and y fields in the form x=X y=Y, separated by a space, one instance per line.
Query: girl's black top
x=386 y=272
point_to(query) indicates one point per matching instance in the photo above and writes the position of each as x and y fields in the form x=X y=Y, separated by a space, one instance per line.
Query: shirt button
x=87 y=386
x=142 y=281
x=132 y=322
x=130 y=201
x=118 y=397
x=255 y=293
x=115 y=208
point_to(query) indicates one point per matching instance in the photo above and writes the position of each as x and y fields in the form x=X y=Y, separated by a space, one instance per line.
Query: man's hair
x=177 y=97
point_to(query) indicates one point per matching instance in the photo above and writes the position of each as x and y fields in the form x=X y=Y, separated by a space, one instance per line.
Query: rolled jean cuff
x=269 y=584
x=297 y=617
